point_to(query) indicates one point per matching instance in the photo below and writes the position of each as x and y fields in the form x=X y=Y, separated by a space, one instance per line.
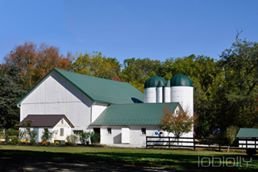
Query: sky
x=157 y=29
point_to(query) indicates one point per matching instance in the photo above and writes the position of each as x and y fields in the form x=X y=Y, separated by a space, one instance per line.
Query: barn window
x=61 y=131
x=143 y=131
x=109 y=130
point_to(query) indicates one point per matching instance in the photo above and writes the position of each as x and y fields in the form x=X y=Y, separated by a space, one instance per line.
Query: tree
x=97 y=65
x=11 y=136
x=32 y=62
x=10 y=93
x=207 y=78
x=137 y=71
x=176 y=123
x=230 y=134
x=239 y=92
x=23 y=67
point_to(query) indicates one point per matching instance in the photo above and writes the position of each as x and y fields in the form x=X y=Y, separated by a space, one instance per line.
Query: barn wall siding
x=96 y=110
x=136 y=138
x=51 y=97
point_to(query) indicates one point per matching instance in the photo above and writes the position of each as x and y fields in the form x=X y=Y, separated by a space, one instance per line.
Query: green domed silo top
x=155 y=81
x=181 y=80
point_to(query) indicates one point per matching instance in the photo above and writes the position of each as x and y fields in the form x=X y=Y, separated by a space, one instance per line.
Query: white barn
x=121 y=114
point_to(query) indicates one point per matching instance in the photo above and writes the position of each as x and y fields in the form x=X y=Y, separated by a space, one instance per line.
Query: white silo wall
x=159 y=92
x=167 y=94
x=183 y=95
x=150 y=95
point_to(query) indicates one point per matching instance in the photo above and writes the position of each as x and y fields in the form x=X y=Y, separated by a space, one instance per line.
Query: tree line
x=226 y=89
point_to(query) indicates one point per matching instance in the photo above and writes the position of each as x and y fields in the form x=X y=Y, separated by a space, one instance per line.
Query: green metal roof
x=155 y=81
x=134 y=114
x=99 y=89
x=247 y=132
x=181 y=80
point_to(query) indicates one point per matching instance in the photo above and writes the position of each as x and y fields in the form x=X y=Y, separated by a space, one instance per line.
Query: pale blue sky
x=128 y=28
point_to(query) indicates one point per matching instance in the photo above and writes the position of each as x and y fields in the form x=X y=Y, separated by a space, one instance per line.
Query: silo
x=182 y=92
x=159 y=91
x=150 y=95
x=167 y=92
x=153 y=89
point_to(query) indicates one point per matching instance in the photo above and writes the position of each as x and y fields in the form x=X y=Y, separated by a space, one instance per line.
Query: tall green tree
x=10 y=93
x=97 y=65
x=136 y=71
x=239 y=92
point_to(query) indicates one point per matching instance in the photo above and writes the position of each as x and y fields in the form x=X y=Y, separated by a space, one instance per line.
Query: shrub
x=84 y=137
x=29 y=134
x=2 y=133
x=231 y=133
x=59 y=142
x=95 y=138
x=33 y=135
x=72 y=139
x=11 y=136
x=46 y=137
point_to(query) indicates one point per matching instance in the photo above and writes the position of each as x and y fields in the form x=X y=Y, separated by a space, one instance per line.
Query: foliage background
x=226 y=89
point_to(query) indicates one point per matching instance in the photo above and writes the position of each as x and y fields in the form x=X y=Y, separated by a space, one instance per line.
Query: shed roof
x=134 y=114
x=43 y=120
x=247 y=133
x=99 y=89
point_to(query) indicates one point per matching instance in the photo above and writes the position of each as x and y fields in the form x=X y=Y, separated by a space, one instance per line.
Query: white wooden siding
x=96 y=110
x=110 y=139
x=55 y=95
x=56 y=130
x=136 y=138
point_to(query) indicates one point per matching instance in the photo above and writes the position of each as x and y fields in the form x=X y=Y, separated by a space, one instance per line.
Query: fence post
x=255 y=142
x=146 y=142
x=168 y=142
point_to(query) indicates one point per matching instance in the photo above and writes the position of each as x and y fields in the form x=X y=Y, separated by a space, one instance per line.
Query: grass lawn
x=51 y=158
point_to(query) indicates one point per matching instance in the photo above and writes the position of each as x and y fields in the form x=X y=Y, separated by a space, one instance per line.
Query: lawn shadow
x=230 y=162
x=13 y=160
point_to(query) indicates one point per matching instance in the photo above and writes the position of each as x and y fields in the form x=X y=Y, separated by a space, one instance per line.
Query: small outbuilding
x=59 y=125
x=248 y=137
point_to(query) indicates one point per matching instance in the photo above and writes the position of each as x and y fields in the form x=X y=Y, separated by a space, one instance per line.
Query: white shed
x=59 y=125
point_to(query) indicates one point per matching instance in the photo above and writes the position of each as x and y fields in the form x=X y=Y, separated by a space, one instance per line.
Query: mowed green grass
x=177 y=160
